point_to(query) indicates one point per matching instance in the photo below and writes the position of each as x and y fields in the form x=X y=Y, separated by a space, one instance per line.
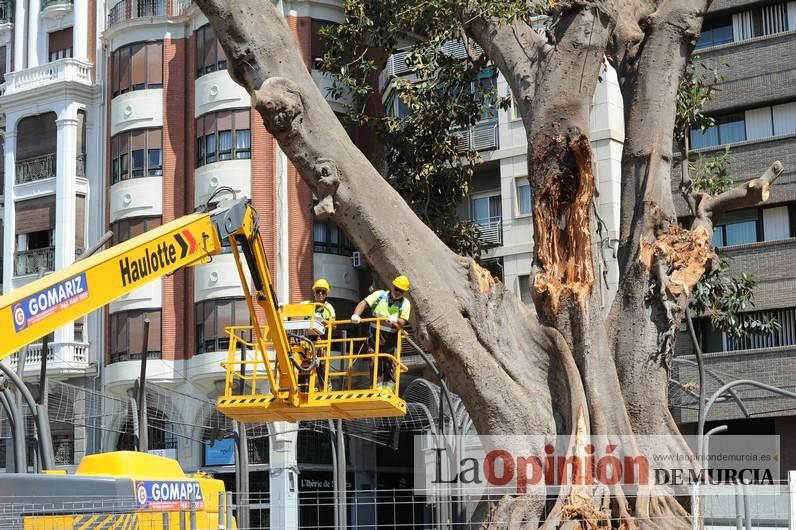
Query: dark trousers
x=388 y=343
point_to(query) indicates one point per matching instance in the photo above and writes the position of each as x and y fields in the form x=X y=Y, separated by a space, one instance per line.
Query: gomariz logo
x=50 y=301
x=161 y=256
x=168 y=495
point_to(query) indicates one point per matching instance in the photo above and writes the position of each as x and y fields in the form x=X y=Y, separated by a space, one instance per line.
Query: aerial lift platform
x=272 y=373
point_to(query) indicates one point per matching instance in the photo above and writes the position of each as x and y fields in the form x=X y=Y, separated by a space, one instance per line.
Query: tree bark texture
x=562 y=367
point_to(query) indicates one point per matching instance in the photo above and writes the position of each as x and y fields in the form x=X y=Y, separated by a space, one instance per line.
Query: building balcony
x=56 y=8
x=44 y=167
x=480 y=137
x=37 y=168
x=32 y=261
x=396 y=63
x=66 y=357
x=133 y=9
x=491 y=230
x=46 y=75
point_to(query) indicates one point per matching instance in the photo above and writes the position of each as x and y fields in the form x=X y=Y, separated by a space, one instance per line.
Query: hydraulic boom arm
x=32 y=311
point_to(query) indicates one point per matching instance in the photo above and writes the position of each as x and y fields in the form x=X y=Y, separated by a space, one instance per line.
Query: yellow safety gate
x=340 y=380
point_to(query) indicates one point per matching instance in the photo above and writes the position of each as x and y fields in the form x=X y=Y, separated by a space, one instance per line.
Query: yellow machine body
x=120 y=490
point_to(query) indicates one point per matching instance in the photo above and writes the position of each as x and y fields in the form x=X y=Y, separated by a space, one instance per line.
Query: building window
x=137 y=67
x=396 y=107
x=161 y=431
x=318 y=45
x=329 y=239
x=525 y=289
x=210 y=55
x=730 y=128
x=223 y=135
x=129 y=228
x=127 y=335
x=3 y=52
x=485 y=211
x=713 y=340
x=60 y=44
x=523 y=187
x=756 y=22
x=737 y=228
x=715 y=32
x=137 y=153
x=760 y=21
x=213 y=317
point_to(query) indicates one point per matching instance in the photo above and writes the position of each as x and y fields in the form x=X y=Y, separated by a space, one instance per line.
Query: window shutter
x=776 y=224
x=154 y=58
x=785 y=118
x=139 y=66
x=758 y=123
x=35 y=215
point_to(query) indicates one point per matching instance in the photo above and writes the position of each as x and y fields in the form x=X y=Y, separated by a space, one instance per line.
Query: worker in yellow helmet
x=393 y=306
x=320 y=290
x=325 y=310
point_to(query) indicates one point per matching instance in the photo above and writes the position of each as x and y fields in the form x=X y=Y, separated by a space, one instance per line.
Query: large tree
x=565 y=367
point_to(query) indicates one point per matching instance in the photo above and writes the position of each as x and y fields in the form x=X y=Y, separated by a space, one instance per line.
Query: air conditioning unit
x=356 y=259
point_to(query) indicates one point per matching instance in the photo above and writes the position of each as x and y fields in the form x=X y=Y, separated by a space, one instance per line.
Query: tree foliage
x=420 y=125
x=725 y=299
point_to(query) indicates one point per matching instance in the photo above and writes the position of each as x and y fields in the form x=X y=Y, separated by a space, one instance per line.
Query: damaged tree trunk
x=563 y=368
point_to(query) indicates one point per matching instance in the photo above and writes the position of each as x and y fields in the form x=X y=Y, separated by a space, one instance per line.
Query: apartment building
x=753 y=44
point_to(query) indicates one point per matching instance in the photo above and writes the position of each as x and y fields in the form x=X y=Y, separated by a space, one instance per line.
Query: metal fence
x=740 y=508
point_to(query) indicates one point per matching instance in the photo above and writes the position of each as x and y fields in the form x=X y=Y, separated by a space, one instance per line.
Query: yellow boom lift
x=286 y=366
x=271 y=374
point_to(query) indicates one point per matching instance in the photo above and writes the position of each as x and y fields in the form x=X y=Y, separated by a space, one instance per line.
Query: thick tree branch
x=747 y=194
x=516 y=49
x=649 y=74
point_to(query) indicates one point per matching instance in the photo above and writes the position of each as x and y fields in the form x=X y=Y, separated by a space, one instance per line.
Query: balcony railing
x=60 y=355
x=33 y=261
x=6 y=12
x=491 y=230
x=117 y=357
x=131 y=9
x=62 y=70
x=52 y=3
x=396 y=63
x=480 y=137
x=43 y=167
x=37 y=168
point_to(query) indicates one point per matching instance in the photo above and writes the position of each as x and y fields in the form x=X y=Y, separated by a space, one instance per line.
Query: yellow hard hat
x=321 y=285
x=401 y=282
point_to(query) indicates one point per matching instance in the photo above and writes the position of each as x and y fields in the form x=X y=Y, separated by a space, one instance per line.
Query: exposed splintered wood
x=687 y=255
x=482 y=277
x=562 y=219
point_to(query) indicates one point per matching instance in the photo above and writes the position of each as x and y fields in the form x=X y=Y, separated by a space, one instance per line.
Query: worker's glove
x=393 y=319
x=356 y=319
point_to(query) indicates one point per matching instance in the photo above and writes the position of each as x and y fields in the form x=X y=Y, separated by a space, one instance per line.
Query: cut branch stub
x=562 y=220
x=279 y=102
x=328 y=177
x=747 y=194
